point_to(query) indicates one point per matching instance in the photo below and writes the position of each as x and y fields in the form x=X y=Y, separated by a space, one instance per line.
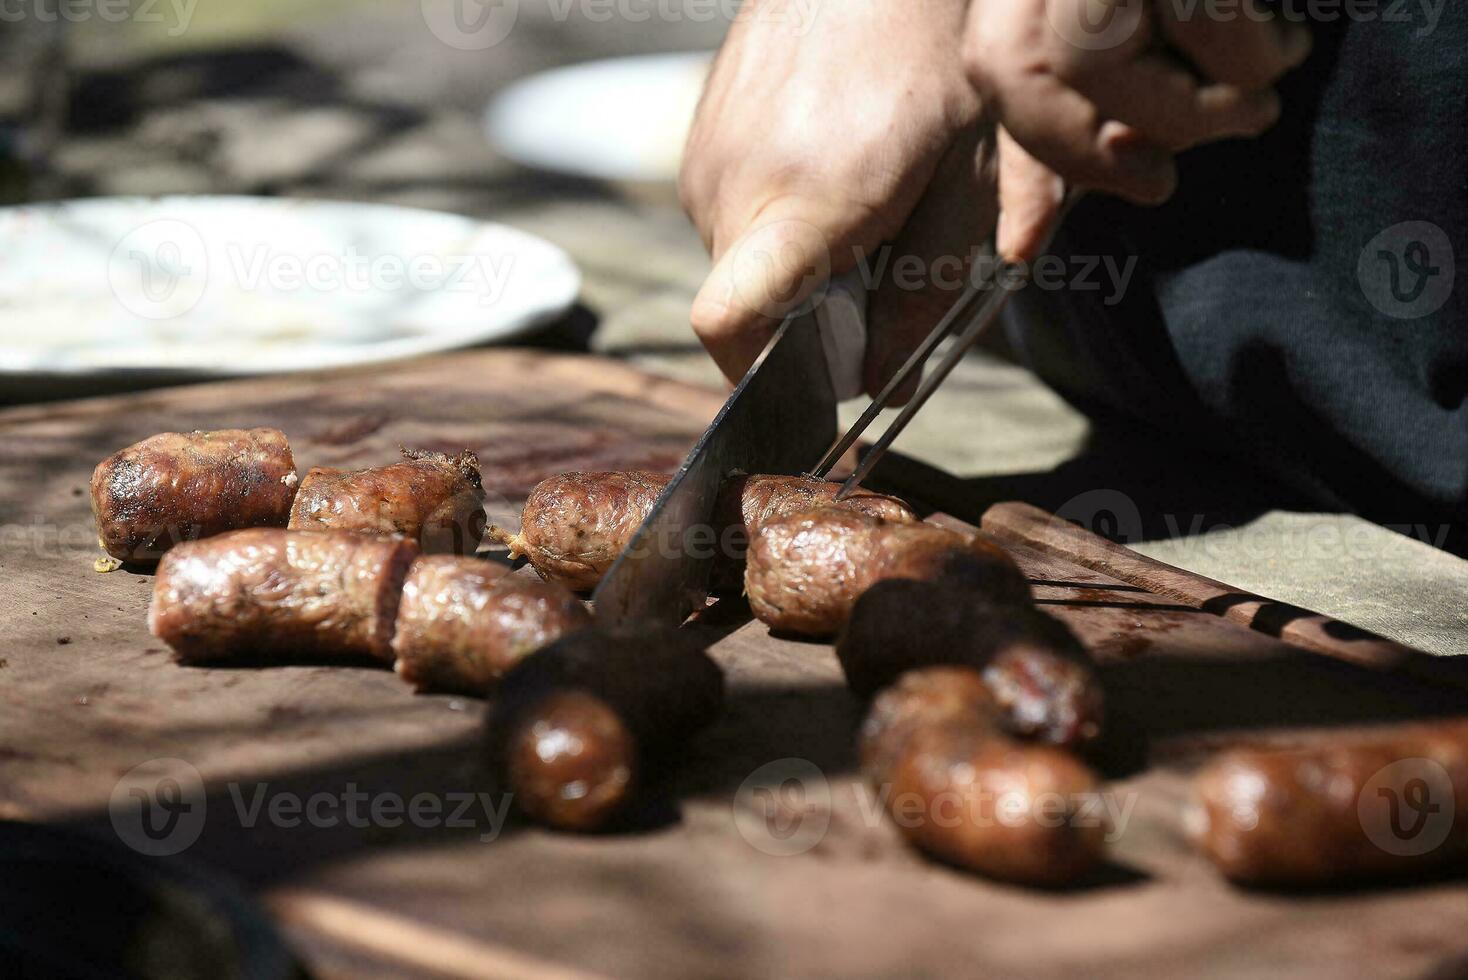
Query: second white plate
x=619 y=119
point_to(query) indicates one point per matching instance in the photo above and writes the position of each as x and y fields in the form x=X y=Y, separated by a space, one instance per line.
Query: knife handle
x=842 y=319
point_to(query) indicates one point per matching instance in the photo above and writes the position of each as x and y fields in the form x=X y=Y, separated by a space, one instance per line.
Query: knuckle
x=709 y=319
x=1074 y=67
x=1241 y=55
x=980 y=61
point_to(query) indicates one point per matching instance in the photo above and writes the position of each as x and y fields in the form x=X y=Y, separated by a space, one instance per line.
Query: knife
x=781 y=416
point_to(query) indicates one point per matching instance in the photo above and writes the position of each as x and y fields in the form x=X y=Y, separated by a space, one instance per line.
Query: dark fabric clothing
x=1264 y=316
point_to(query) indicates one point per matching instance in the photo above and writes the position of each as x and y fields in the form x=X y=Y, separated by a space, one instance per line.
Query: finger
x=1166 y=103
x=1030 y=199
x=925 y=268
x=1064 y=130
x=1251 y=48
x=780 y=258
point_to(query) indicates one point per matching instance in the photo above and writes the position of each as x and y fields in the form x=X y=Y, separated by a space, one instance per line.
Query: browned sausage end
x=463 y=623
x=184 y=486
x=432 y=498
x=959 y=789
x=576 y=725
x=269 y=594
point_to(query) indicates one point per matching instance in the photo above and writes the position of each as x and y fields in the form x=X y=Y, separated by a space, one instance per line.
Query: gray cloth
x=1294 y=304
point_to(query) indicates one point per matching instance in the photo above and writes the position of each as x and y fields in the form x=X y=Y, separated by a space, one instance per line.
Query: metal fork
x=969 y=317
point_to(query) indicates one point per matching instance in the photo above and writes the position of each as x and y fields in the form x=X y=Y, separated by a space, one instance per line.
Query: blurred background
x=382 y=102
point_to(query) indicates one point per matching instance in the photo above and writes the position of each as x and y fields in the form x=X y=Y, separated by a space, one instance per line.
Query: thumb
x=1030 y=199
x=779 y=261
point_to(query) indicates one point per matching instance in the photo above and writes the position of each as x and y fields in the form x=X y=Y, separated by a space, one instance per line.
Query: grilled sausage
x=1390 y=805
x=463 y=623
x=182 y=486
x=435 y=499
x=1036 y=669
x=805 y=571
x=269 y=593
x=578 y=724
x=920 y=699
x=747 y=502
x=960 y=790
x=576 y=524
x=750 y=501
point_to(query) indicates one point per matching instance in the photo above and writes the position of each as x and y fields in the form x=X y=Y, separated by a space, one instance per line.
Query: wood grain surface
x=701 y=882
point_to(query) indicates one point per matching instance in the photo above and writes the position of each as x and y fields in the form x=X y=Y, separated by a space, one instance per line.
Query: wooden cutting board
x=705 y=886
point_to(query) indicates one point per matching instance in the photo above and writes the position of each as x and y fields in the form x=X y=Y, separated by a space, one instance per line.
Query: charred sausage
x=962 y=791
x=805 y=571
x=1391 y=805
x=463 y=623
x=578 y=725
x=433 y=498
x=1036 y=669
x=576 y=524
x=269 y=593
x=182 y=486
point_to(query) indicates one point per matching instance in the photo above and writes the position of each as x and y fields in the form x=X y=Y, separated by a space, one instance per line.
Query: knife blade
x=781 y=416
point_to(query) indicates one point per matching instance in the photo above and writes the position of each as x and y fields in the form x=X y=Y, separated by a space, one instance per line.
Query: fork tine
x=913 y=363
x=983 y=317
x=988 y=311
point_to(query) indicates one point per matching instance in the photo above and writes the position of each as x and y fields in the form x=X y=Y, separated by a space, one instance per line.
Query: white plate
x=210 y=286
x=621 y=119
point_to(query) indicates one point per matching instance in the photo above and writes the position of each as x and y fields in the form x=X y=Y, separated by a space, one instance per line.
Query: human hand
x=1103 y=93
x=810 y=148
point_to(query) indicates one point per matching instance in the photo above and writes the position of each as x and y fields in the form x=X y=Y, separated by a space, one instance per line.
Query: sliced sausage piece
x=577 y=724
x=960 y=790
x=575 y=525
x=1036 y=669
x=1395 y=804
x=805 y=571
x=182 y=486
x=747 y=502
x=268 y=593
x=433 y=498
x=464 y=622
